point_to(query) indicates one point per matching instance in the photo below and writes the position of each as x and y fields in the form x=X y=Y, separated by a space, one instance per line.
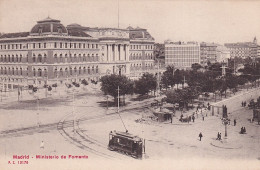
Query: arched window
x=61 y=72
x=70 y=71
x=66 y=71
x=55 y=72
x=17 y=71
x=34 y=59
x=34 y=72
x=88 y=58
x=21 y=71
x=79 y=58
x=93 y=69
x=12 y=58
x=88 y=70
x=45 y=58
x=84 y=70
x=16 y=58
x=12 y=71
x=66 y=58
x=39 y=58
x=75 y=70
x=20 y=58
x=55 y=58
x=75 y=58
x=79 y=70
x=39 y=72
x=45 y=72
x=84 y=57
x=9 y=59
x=61 y=58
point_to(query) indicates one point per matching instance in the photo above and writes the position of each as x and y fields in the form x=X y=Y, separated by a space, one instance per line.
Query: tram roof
x=126 y=135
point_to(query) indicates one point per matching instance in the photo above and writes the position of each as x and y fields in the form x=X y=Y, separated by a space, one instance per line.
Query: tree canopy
x=110 y=83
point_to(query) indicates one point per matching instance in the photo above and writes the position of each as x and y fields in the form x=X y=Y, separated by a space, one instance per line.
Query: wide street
x=20 y=134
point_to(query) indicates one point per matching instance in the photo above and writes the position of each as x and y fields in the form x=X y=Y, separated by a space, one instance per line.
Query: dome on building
x=49 y=26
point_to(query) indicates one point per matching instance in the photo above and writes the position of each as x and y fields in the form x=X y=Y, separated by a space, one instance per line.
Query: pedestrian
x=200 y=136
x=245 y=104
x=42 y=145
x=202 y=117
x=242 y=104
x=244 y=129
x=193 y=118
x=235 y=122
x=219 y=136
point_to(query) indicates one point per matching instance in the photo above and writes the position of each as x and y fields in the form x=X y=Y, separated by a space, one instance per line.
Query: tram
x=126 y=143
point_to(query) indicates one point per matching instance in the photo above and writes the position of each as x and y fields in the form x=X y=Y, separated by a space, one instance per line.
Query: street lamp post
x=225 y=121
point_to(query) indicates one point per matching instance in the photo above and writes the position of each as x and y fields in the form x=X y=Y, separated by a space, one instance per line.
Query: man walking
x=200 y=136
x=235 y=122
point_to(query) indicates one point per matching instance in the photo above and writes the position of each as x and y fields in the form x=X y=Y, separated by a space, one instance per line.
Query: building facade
x=208 y=53
x=223 y=54
x=182 y=55
x=141 y=52
x=52 y=53
x=243 y=49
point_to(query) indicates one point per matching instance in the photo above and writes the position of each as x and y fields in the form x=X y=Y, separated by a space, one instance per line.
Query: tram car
x=126 y=143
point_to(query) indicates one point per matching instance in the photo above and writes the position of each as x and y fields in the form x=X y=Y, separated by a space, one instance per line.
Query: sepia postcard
x=129 y=84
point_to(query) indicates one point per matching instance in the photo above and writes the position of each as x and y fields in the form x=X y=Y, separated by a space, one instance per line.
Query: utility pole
x=73 y=109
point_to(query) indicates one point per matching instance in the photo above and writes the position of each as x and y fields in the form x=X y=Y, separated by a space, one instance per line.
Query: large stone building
x=243 y=49
x=141 y=51
x=52 y=53
x=208 y=53
x=222 y=53
x=182 y=55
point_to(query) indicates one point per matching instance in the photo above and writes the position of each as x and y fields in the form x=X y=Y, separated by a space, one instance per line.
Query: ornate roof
x=49 y=26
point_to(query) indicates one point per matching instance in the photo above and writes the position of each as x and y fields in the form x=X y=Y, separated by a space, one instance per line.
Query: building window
x=44 y=45
x=55 y=45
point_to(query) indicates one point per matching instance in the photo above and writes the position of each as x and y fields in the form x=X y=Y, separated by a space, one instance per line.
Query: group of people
x=243 y=104
x=243 y=130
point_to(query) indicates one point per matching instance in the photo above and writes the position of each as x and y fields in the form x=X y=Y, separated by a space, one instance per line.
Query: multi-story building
x=208 y=53
x=52 y=53
x=141 y=51
x=223 y=54
x=182 y=55
x=243 y=49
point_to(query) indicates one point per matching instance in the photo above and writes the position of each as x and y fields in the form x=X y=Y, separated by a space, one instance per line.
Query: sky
x=194 y=20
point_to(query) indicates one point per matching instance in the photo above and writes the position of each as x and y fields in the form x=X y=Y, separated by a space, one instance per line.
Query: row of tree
x=203 y=80
x=110 y=83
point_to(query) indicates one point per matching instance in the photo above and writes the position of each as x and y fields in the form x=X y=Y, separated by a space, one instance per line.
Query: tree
x=84 y=82
x=110 y=84
x=168 y=78
x=145 y=84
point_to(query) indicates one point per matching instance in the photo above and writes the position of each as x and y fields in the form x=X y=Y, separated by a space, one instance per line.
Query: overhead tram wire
x=118 y=109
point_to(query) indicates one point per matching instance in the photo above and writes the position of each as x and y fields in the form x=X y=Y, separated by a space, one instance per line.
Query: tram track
x=74 y=134
x=83 y=141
